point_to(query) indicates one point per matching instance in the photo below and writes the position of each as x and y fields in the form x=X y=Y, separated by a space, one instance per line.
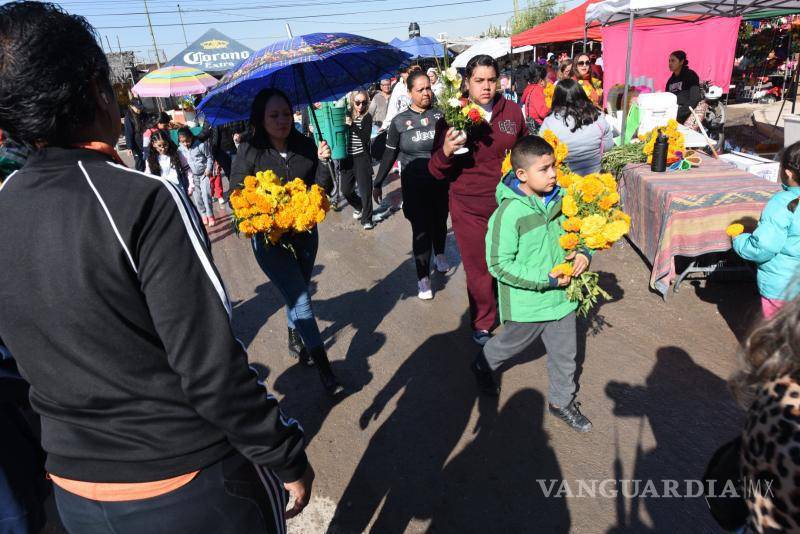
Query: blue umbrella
x=420 y=47
x=318 y=67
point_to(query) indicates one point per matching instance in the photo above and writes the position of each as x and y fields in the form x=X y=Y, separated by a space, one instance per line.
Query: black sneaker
x=295 y=343
x=481 y=337
x=572 y=416
x=485 y=379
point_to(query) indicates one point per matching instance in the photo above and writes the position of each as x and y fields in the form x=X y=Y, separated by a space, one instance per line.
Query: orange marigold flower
x=562 y=269
x=569 y=241
x=571 y=224
x=734 y=229
x=250 y=182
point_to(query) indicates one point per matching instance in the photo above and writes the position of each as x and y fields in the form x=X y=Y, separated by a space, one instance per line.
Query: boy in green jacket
x=522 y=248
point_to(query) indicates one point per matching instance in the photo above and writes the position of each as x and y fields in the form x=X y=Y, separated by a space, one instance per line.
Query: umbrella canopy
x=491 y=47
x=318 y=67
x=421 y=47
x=174 y=81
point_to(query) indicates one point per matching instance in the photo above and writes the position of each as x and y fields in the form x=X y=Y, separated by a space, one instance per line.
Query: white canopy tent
x=496 y=48
x=616 y=11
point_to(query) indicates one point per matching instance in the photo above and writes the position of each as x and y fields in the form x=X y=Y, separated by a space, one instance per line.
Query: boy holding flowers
x=523 y=244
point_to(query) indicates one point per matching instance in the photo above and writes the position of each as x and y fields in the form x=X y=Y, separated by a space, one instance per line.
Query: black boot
x=329 y=380
x=572 y=416
x=295 y=342
x=484 y=377
x=297 y=349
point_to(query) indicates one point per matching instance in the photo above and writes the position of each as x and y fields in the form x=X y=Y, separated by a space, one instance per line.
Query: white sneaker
x=425 y=291
x=356 y=214
x=221 y=201
x=440 y=262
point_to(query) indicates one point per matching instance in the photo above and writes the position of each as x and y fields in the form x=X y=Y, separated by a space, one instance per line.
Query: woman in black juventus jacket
x=108 y=283
x=410 y=139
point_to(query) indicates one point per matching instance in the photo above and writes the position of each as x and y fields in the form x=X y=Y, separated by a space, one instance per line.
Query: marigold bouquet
x=592 y=222
x=263 y=205
x=459 y=112
x=677 y=143
x=549 y=91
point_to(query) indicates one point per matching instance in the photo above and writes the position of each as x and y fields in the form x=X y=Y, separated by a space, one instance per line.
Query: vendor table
x=686 y=213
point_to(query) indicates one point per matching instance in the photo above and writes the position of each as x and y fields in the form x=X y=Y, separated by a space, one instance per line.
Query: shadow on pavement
x=738 y=302
x=405 y=474
x=690 y=412
x=363 y=310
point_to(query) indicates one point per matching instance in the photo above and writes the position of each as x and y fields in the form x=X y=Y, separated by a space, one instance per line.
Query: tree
x=534 y=14
x=496 y=31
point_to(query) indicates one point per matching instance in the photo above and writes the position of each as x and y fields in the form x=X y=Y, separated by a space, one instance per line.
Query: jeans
x=560 y=341
x=292 y=275
x=202 y=195
x=230 y=496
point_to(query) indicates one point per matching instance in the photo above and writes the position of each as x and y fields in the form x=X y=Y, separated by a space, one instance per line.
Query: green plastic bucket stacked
x=332 y=120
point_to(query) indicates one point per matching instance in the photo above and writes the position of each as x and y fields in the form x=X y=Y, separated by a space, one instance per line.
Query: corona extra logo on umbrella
x=213 y=44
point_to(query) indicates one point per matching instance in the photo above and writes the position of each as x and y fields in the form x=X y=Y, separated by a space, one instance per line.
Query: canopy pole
x=585 y=36
x=627 y=79
x=313 y=112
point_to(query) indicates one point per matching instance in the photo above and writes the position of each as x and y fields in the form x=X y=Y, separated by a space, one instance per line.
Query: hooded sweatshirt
x=477 y=173
x=521 y=249
x=775 y=246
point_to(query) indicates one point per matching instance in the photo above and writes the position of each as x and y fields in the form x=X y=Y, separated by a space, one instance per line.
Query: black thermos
x=660 y=149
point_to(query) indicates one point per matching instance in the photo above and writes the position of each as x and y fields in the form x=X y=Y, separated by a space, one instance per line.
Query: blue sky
x=379 y=19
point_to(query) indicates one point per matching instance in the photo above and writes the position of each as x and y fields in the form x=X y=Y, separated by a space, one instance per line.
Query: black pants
x=357 y=172
x=138 y=160
x=231 y=496
x=425 y=205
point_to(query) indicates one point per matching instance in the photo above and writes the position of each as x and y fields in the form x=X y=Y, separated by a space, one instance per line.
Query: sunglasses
x=360 y=102
x=583 y=63
x=159 y=145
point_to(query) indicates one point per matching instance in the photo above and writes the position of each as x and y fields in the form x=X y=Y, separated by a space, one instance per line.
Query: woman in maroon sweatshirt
x=474 y=177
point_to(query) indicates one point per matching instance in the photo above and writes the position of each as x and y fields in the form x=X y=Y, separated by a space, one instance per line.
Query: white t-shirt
x=487 y=109
x=398 y=103
x=168 y=172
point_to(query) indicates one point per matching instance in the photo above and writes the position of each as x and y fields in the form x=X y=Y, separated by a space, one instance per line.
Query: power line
x=271 y=6
x=295 y=17
x=386 y=25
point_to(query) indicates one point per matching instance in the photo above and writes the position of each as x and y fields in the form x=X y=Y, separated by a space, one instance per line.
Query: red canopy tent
x=565 y=27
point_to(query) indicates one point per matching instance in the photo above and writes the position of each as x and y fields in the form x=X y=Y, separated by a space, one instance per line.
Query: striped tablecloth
x=685 y=213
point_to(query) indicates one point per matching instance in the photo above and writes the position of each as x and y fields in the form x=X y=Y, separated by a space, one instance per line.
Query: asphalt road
x=415 y=448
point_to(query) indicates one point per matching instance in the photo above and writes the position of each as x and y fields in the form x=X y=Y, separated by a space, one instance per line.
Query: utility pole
x=153 y=35
x=180 y=14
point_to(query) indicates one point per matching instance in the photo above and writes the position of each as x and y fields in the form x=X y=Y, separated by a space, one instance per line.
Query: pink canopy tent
x=709 y=46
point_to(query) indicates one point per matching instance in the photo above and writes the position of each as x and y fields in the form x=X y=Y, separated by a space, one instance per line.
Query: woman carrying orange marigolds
x=522 y=249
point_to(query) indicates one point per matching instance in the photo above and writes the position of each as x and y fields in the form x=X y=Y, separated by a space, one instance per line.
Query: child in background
x=522 y=248
x=165 y=161
x=161 y=123
x=198 y=157
x=775 y=244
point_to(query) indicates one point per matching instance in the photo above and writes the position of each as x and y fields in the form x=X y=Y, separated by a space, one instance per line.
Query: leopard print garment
x=771 y=457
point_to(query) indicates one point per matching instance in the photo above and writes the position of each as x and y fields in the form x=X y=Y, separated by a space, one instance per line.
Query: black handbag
x=730 y=512
x=378 y=146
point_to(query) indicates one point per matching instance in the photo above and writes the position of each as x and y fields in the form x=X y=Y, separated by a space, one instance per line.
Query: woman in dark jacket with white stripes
x=275 y=145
